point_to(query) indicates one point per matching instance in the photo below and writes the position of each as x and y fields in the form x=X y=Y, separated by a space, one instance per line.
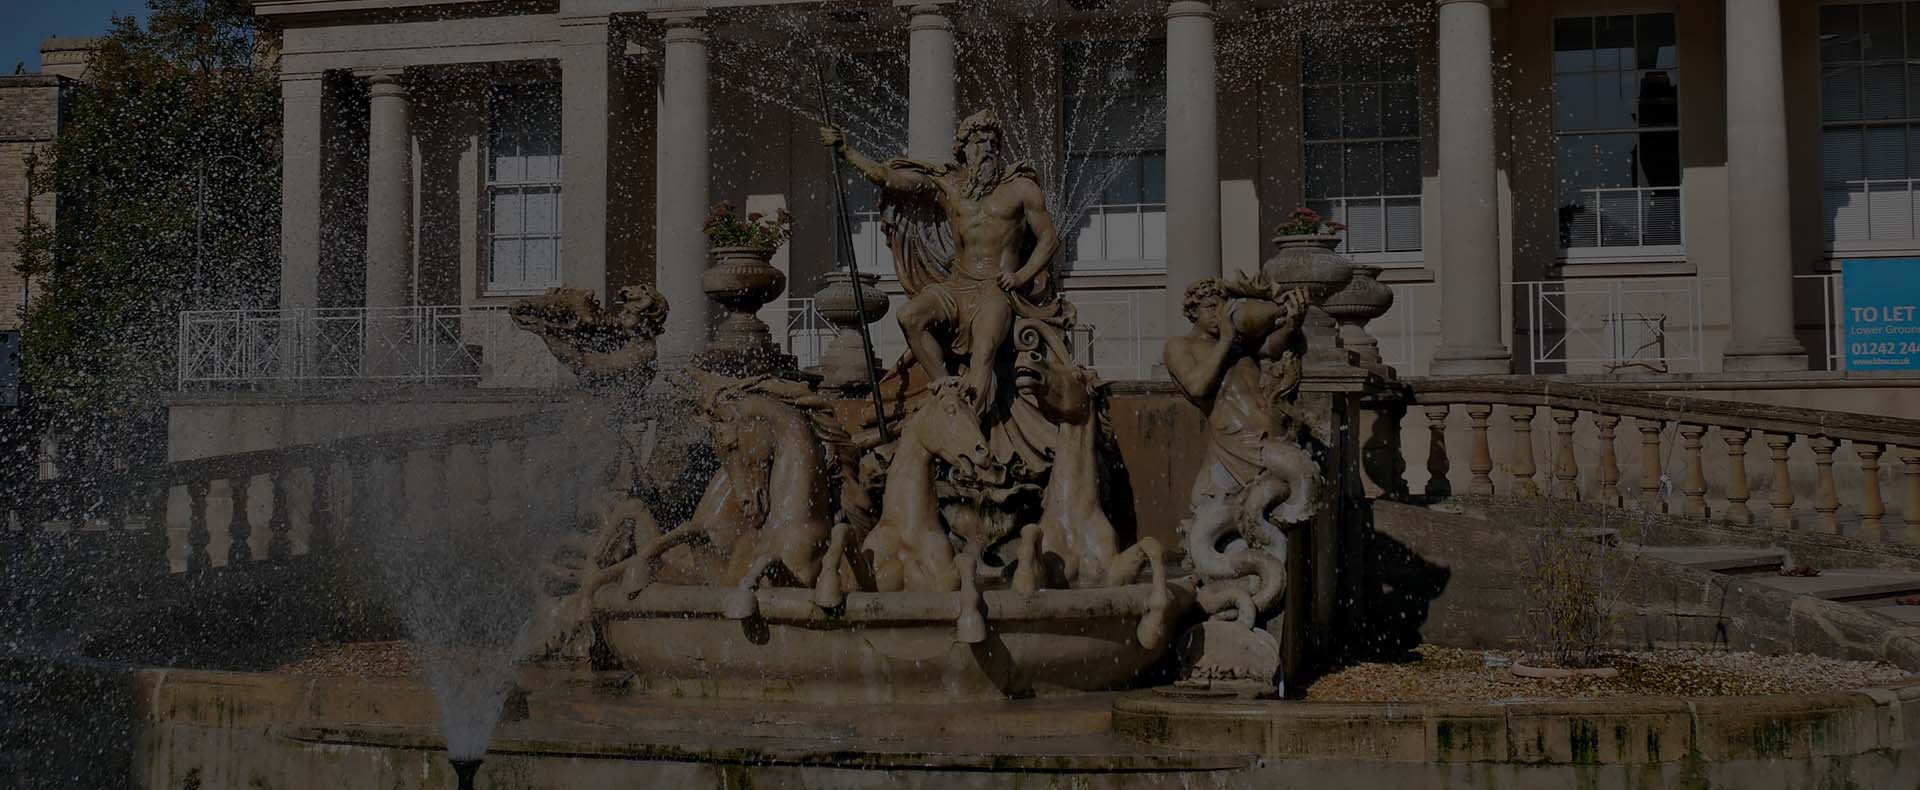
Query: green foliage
x=177 y=121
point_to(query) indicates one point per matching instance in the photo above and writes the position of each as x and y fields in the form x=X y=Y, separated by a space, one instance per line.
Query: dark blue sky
x=23 y=23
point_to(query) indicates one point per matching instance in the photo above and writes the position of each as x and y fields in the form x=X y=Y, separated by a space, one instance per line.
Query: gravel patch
x=1443 y=674
x=357 y=659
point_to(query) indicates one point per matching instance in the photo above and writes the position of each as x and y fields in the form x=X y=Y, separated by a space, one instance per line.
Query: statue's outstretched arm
x=894 y=178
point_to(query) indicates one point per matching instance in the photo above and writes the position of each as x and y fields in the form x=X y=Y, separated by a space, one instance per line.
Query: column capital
x=680 y=20
x=929 y=16
x=1189 y=8
x=386 y=83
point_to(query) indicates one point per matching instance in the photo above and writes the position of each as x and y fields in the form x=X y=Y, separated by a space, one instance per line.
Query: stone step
x=1733 y=560
x=1908 y=615
x=1846 y=584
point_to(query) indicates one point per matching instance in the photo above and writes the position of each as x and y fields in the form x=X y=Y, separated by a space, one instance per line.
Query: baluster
x=522 y=472
x=1566 y=468
x=239 y=528
x=441 y=497
x=398 y=509
x=1695 y=485
x=1872 y=507
x=1609 y=463
x=1782 y=495
x=1911 y=513
x=153 y=499
x=320 y=537
x=483 y=493
x=361 y=502
x=1523 y=468
x=1650 y=494
x=198 y=537
x=279 y=546
x=1481 y=462
x=1738 y=490
x=1826 y=496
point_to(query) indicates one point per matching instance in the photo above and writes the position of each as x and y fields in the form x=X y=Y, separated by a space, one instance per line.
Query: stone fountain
x=956 y=542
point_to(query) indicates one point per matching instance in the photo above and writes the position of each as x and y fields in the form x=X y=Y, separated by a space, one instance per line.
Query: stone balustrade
x=305 y=484
x=1686 y=455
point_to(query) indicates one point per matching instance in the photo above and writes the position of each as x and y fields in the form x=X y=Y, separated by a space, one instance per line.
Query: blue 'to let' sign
x=1878 y=300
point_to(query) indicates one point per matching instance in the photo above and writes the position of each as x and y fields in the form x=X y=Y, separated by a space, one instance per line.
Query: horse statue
x=1073 y=544
x=768 y=511
x=908 y=547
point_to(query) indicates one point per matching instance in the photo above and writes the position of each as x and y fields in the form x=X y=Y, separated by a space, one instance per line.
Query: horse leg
x=1026 y=566
x=827 y=592
x=1125 y=567
x=743 y=604
x=971 y=628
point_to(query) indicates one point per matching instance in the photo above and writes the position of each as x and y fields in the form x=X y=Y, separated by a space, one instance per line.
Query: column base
x=1773 y=353
x=1455 y=360
x=1764 y=362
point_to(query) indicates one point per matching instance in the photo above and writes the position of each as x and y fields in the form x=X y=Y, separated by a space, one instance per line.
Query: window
x=1869 y=115
x=523 y=188
x=1114 y=199
x=1616 y=101
x=1362 y=129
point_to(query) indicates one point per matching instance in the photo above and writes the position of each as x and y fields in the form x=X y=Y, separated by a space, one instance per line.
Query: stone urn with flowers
x=1307 y=259
x=741 y=279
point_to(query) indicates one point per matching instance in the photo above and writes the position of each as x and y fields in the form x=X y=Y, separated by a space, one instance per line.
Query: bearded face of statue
x=983 y=156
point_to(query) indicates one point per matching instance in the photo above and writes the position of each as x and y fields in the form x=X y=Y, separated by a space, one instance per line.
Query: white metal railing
x=1624 y=217
x=1614 y=323
x=1117 y=350
x=329 y=344
x=1830 y=333
x=806 y=332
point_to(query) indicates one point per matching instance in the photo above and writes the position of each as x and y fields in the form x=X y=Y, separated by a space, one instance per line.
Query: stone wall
x=30 y=108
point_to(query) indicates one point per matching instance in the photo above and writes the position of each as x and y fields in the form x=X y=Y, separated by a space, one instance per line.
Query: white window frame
x=1892 y=246
x=492 y=187
x=1337 y=204
x=1623 y=253
x=1103 y=265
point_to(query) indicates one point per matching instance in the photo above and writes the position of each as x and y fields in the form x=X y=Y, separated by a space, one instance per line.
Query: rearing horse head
x=947 y=426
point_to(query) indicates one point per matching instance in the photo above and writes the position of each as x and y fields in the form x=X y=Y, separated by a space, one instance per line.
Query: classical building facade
x=1551 y=186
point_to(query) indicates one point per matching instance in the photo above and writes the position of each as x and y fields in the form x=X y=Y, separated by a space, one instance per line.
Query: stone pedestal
x=845 y=363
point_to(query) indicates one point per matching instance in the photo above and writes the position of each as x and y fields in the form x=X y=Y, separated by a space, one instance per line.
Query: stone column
x=1193 y=154
x=1761 y=249
x=302 y=130
x=682 y=199
x=590 y=91
x=1470 y=290
x=931 y=115
x=389 y=195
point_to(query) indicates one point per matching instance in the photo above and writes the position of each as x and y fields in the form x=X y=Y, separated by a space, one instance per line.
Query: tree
x=167 y=172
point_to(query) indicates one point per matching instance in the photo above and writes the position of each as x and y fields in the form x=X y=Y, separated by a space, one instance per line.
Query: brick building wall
x=30 y=107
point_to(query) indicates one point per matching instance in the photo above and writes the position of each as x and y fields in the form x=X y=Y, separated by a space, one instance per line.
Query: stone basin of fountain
x=882 y=647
